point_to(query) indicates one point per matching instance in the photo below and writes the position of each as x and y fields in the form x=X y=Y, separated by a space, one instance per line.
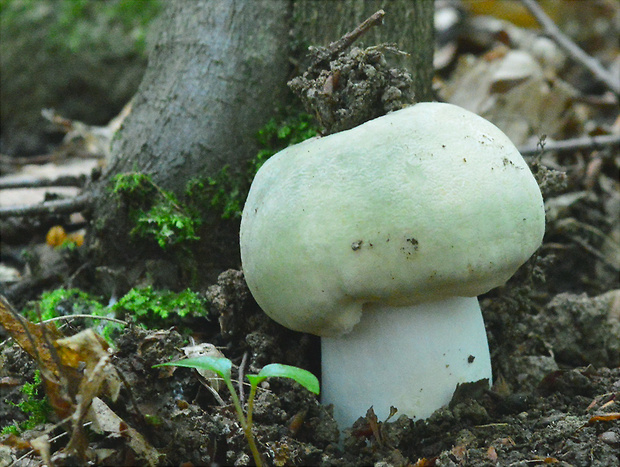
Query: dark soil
x=554 y=399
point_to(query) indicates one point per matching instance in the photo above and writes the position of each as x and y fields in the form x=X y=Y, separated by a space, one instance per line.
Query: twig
x=594 y=252
x=51 y=440
x=345 y=41
x=244 y=361
x=69 y=317
x=65 y=180
x=25 y=286
x=584 y=142
x=61 y=206
x=217 y=396
x=19 y=161
x=570 y=47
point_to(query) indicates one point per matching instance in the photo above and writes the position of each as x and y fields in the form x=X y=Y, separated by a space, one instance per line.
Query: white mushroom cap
x=422 y=204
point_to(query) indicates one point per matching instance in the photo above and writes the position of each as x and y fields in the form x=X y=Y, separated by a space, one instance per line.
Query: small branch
x=594 y=252
x=215 y=394
x=244 y=361
x=70 y=317
x=584 y=142
x=19 y=161
x=65 y=180
x=336 y=47
x=570 y=47
x=61 y=206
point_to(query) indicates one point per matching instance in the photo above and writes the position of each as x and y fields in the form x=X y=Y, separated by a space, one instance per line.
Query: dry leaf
x=37 y=340
x=511 y=90
x=87 y=351
x=424 y=462
x=105 y=420
x=42 y=445
x=201 y=350
x=33 y=338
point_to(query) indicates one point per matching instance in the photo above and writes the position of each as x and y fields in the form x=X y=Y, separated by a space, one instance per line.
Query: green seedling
x=222 y=367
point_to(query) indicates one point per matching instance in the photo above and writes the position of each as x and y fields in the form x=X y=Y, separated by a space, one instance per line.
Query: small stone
x=610 y=437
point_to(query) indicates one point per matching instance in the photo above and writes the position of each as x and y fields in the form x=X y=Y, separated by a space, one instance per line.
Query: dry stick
x=215 y=394
x=584 y=142
x=570 y=47
x=345 y=41
x=51 y=440
x=19 y=161
x=244 y=361
x=70 y=317
x=65 y=180
x=61 y=206
x=594 y=252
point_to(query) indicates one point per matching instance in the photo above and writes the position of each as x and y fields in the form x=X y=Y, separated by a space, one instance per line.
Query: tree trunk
x=216 y=74
x=407 y=23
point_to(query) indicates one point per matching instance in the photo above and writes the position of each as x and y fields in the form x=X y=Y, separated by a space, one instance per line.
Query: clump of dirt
x=536 y=412
x=353 y=88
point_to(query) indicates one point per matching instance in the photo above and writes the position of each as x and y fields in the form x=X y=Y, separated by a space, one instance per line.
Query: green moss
x=279 y=134
x=134 y=185
x=167 y=224
x=225 y=192
x=67 y=302
x=62 y=302
x=222 y=194
x=157 y=214
x=35 y=405
x=153 y=308
x=145 y=306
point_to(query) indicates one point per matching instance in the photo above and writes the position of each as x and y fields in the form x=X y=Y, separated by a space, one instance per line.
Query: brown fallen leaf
x=33 y=338
x=88 y=351
x=76 y=370
x=105 y=420
x=85 y=351
x=37 y=340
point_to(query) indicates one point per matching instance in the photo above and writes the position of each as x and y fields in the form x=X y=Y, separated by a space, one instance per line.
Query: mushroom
x=379 y=239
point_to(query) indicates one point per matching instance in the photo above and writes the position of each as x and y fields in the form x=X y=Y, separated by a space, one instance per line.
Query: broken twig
x=76 y=316
x=64 y=180
x=60 y=206
x=570 y=47
x=337 y=47
x=584 y=142
x=244 y=362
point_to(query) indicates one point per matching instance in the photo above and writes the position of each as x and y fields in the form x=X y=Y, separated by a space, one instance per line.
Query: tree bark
x=407 y=23
x=216 y=74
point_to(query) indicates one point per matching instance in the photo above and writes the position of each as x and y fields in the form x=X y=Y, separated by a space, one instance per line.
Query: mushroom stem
x=408 y=357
